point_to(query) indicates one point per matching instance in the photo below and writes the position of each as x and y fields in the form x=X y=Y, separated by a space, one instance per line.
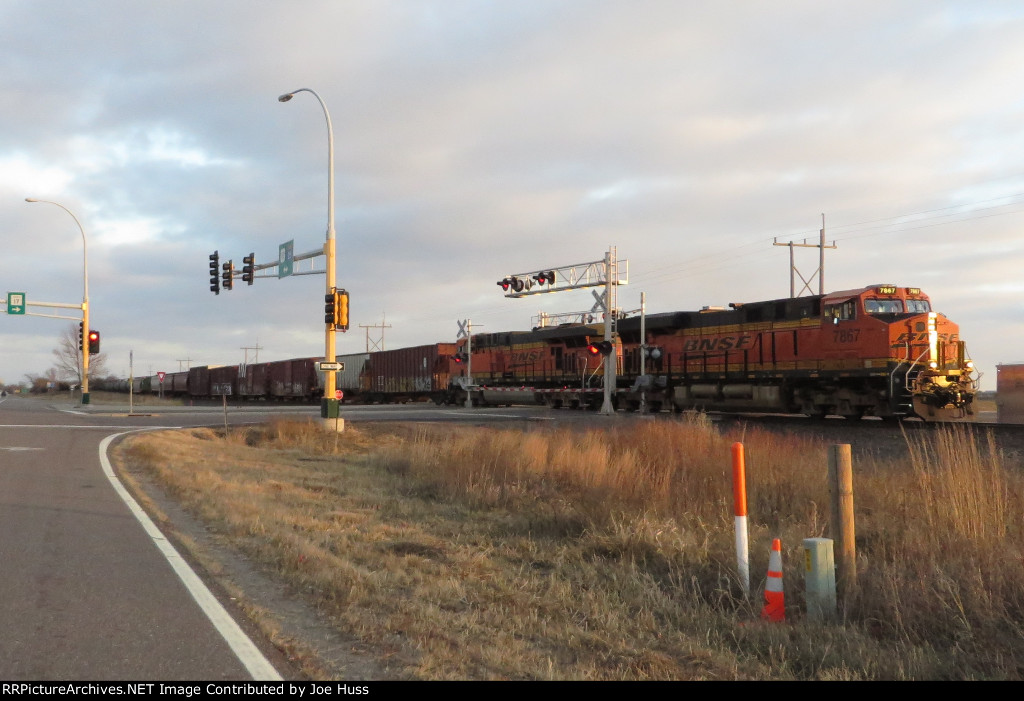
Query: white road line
x=247 y=653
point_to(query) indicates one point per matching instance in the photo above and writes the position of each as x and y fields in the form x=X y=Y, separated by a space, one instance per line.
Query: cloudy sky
x=480 y=138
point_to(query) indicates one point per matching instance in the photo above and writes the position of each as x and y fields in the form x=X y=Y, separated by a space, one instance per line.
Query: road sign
x=160 y=376
x=324 y=366
x=285 y=259
x=16 y=302
x=338 y=394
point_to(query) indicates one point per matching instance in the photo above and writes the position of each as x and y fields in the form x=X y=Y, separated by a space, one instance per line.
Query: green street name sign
x=16 y=302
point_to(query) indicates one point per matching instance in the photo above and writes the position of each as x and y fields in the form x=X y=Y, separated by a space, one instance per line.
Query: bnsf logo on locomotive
x=529 y=356
x=908 y=337
x=723 y=343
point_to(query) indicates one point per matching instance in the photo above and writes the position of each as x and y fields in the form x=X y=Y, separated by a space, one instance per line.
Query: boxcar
x=407 y=373
x=292 y=379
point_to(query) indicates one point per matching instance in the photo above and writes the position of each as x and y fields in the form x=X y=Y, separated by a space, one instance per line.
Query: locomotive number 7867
x=845 y=335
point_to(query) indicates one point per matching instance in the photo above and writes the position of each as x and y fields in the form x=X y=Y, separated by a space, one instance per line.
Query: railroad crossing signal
x=603 y=348
x=215 y=272
x=547 y=276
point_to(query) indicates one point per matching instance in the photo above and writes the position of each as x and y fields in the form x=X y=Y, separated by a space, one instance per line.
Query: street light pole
x=85 y=300
x=329 y=404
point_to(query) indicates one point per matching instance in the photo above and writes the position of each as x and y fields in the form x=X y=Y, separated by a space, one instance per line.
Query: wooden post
x=840 y=476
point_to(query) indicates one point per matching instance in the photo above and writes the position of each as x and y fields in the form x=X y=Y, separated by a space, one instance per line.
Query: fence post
x=840 y=476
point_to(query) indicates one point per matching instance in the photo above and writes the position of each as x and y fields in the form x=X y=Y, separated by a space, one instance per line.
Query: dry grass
x=458 y=553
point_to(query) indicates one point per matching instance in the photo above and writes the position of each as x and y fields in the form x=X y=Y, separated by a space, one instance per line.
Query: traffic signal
x=215 y=272
x=341 y=310
x=547 y=276
x=248 y=268
x=330 y=307
x=81 y=335
x=603 y=348
x=228 y=275
x=94 y=342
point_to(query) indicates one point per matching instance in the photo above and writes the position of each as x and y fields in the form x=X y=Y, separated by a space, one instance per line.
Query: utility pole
x=376 y=346
x=820 y=272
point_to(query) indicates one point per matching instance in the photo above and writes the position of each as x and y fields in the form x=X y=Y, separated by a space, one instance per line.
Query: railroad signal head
x=215 y=272
x=517 y=284
x=459 y=357
x=248 y=268
x=546 y=276
x=94 y=342
x=505 y=283
x=603 y=348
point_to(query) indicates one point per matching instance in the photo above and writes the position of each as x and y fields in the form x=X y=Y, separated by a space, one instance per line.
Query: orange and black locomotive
x=875 y=351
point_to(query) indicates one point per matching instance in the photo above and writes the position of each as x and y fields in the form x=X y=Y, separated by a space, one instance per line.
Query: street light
x=85 y=297
x=329 y=406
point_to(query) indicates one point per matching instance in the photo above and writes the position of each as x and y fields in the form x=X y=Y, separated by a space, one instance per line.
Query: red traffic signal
x=600 y=348
x=94 y=342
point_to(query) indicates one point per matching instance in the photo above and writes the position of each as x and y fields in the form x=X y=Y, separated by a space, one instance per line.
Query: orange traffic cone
x=774 y=598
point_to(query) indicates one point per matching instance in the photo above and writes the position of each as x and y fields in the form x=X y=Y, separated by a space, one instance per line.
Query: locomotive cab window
x=883 y=306
x=843 y=311
x=918 y=306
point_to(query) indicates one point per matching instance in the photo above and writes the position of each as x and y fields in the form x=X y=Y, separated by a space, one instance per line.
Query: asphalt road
x=90 y=591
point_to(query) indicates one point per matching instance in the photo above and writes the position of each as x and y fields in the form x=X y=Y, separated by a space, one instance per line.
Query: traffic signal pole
x=330 y=403
x=85 y=298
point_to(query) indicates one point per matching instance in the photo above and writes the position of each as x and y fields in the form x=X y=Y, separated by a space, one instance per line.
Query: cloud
x=474 y=139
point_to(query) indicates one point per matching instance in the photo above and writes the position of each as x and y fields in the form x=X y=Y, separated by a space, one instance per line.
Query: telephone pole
x=820 y=272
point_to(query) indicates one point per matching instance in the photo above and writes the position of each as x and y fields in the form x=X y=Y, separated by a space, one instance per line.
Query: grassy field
x=458 y=553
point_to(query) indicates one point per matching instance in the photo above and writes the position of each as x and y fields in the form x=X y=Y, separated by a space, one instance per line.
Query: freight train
x=874 y=351
x=877 y=351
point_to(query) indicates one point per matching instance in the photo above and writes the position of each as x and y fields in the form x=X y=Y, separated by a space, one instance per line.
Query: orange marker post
x=739 y=494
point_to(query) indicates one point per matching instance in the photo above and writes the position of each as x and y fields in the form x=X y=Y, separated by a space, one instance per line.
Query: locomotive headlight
x=933 y=365
x=970 y=364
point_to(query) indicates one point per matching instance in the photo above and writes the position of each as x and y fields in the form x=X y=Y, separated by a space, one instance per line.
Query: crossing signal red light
x=547 y=276
x=603 y=348
x=505 y=283
x=459 y=358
